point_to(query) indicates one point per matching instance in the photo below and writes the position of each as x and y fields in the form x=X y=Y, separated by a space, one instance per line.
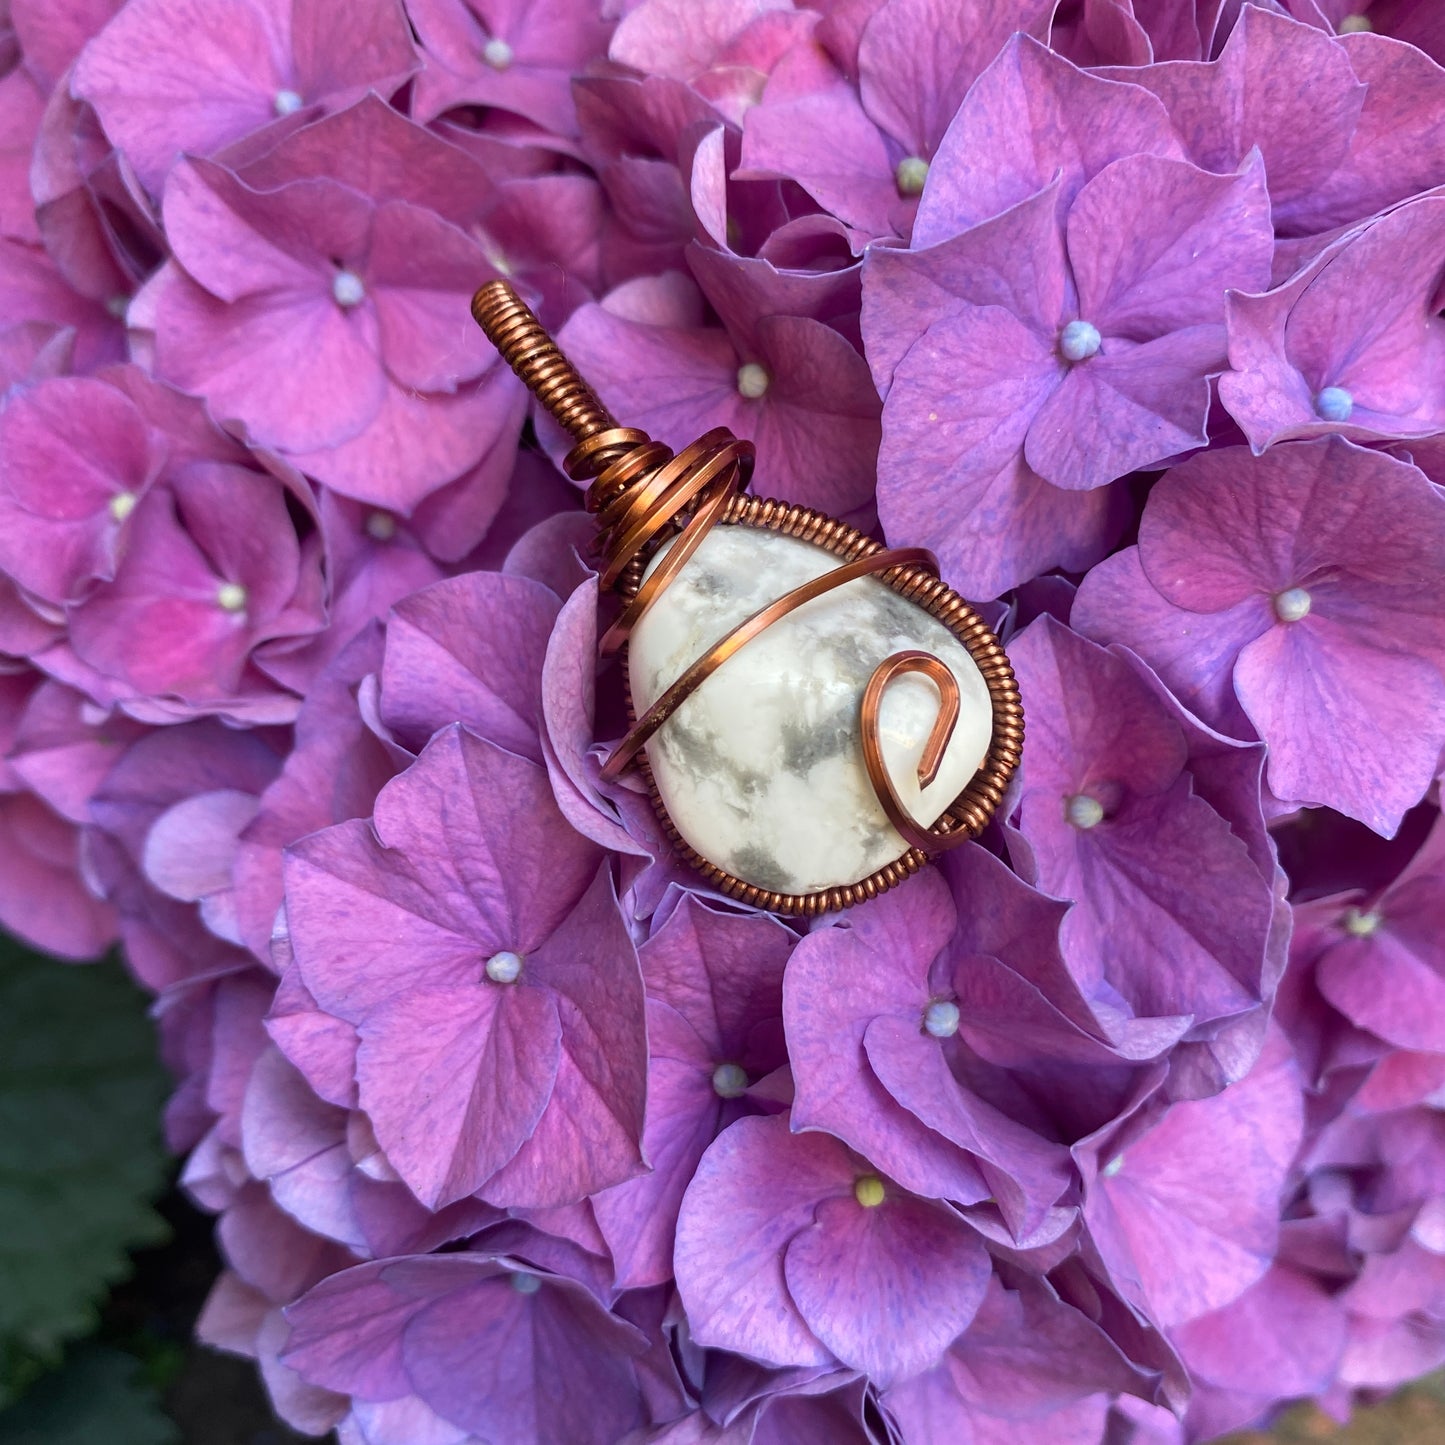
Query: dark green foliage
x=80 y=1155
x=97 y=1396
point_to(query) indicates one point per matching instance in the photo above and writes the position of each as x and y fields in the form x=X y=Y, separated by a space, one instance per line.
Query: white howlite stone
x=761 y=769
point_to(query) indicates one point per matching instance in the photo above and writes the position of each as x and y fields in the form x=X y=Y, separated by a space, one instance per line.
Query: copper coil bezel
x=974 y=806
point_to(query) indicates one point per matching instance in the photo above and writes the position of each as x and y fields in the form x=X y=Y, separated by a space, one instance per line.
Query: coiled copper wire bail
x=640 y=491
x=642 y=494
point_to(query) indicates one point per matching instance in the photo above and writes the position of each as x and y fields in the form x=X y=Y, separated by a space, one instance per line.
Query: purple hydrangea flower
x=1351 y=344
x=1085 y=352
x=1282 y=1339
x=320 y=292
x=515 y=55
x=1377 y=958
x=714 y=1026
x=479 y=1341
x=168 y=79
x=1277 y=85
x=856 y=115
x=889 y=1035
x=1172 y=916
x=791 y=1250
x=1029 y=1367
x=1293 y=594
x=530 y=967
x=1184 y=1208
x=793 y=386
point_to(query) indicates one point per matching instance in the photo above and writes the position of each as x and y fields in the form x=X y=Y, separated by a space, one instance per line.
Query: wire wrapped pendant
x=873 y=720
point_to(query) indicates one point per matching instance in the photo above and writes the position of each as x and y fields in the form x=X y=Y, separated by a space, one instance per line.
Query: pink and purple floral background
x=1122 y=1124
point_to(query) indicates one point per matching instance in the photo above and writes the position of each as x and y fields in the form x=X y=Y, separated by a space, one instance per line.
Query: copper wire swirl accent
x=644 y=495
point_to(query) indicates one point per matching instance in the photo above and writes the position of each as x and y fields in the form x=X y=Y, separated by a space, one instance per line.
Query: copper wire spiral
x=643 y=495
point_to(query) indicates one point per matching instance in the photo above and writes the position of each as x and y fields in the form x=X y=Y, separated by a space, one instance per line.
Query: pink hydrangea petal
x=455 y=1079
x=190 y=847
x=638 y=1218
x=1289 y=680
x=1197 y=235
x=886 y=1288
x=1277 y=85
x=756 y=1188
x=413 y=446
x=810 y=126
x=370 y=916
x=486 y=1357
x=1125 y=409
x=324 y=382
x=918 y=59
x=1189 y=1220
x=589 y=1136
x=440 y=644
x=58 y=485
x=1029 y=115
x=837 y=983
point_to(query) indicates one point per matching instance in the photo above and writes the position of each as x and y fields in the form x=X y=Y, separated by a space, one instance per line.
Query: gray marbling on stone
x=761 y=769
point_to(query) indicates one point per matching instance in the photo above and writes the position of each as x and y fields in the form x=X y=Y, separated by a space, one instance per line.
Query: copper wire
x=643 y=495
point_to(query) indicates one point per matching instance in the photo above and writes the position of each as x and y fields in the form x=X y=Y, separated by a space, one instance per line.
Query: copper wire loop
x=643 y=495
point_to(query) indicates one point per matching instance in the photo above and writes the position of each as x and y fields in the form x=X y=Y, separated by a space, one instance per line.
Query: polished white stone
x=761 y=769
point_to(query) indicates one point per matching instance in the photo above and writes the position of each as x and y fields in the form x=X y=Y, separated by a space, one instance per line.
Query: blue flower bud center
x=504 y=967
x=1334 y=403
x=940 y=1018
x=1292 y=605
x=1084 y=812
x=1079 y=340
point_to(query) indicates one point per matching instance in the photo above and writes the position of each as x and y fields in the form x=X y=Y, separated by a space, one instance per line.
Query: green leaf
x=80 y=1155
x=96 y=1396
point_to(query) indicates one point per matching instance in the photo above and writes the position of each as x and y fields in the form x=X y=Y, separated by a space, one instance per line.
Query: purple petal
x=887 y=1288
x=489 y=1357
x=1189 y=1219
x=838 y=982
x=1277 y=85
x=1291 y=680
x=1031 y=115
x=1128 y=408
x=445 y=662
x=455 y=1079
x=1195 y=235
x=468 y=857
x=756 y=1188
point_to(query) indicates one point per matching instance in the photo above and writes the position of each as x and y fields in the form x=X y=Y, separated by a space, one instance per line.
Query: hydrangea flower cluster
x=1125 y=1122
